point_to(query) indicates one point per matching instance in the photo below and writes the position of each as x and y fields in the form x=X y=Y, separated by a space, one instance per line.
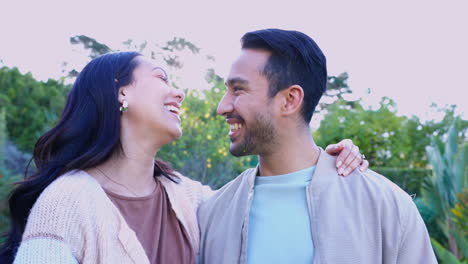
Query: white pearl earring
x=124 y=107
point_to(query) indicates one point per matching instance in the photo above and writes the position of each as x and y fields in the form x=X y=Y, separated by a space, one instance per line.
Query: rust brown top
x=156 y=226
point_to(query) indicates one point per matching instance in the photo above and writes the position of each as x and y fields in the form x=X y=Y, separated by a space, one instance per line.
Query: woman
x=98 y=195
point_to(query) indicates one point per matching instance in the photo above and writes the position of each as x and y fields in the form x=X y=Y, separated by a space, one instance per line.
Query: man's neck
x=293 y=154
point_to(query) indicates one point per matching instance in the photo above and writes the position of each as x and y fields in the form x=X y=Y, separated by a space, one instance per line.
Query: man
x=291 y=208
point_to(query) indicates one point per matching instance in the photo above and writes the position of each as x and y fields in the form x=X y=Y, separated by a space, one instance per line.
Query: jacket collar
x=323 y=175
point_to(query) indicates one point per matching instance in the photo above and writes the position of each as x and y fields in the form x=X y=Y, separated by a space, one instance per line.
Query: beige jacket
x=359 y=219
x=75 y=211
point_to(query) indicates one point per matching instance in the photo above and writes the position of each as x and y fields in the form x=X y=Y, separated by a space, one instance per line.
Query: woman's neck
x=129 y=173
x=133 y=165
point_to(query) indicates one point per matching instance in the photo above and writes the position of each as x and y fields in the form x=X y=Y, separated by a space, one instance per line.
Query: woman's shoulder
x=74 y=199
x=77 y=178
x=72 y=210
x=76 y=185
x=73 y=196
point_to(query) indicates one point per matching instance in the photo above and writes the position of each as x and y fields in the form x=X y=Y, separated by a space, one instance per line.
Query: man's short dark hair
x=295 y=59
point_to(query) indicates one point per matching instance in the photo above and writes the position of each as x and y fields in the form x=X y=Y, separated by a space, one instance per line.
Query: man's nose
x=225 y=105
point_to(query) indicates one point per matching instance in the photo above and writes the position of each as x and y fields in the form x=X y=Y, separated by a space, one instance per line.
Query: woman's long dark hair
x=87 y=134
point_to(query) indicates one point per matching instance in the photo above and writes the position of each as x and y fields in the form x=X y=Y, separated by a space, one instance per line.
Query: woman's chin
x=176 y=134
x=179 y=135
x=168 y=135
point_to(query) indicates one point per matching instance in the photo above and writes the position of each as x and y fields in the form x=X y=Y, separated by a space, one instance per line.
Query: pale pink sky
x=413 y=51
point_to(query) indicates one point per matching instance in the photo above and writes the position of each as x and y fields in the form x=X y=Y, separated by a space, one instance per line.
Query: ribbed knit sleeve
x=59 y=214
x=44 y=250
x=73 y=219
x=75 y=211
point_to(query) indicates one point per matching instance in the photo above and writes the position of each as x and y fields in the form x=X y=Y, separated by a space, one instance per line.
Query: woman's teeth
x=235 y=126
x=172 y=108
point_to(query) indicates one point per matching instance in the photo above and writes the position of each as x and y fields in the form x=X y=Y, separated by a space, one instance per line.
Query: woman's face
x=153 y=105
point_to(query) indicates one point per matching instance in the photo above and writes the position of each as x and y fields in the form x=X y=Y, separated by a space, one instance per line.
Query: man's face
x=247 y=106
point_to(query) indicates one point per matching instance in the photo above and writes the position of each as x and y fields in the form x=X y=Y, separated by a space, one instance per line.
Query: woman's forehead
x=150 y=64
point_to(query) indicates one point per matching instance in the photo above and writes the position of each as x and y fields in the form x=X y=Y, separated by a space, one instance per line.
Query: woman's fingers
x=351 y=162
x=347 y=147
x=333 y=149
x=349 y=158
x=364 y=165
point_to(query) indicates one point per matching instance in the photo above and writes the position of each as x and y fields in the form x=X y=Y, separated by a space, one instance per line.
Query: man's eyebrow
x=237 y=80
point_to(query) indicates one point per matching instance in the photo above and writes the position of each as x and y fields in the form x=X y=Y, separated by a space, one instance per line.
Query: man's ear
x=291 y=100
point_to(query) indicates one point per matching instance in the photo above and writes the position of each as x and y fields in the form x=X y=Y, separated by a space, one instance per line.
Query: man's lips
x=235 y=126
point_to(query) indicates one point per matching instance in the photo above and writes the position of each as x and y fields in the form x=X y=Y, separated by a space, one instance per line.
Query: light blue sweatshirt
x=279 y=226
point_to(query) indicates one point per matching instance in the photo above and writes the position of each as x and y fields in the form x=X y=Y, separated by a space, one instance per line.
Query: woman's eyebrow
x=159 y=68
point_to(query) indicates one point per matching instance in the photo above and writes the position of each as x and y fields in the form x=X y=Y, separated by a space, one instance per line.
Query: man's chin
x=238 y=151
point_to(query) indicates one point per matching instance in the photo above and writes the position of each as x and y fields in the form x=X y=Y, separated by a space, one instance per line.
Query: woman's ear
x=291 y=101
x=122 y=94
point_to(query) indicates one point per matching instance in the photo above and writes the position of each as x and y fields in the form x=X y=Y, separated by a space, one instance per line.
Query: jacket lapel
x=324 y=174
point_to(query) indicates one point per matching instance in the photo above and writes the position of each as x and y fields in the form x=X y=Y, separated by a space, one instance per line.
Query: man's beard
x=259 y=138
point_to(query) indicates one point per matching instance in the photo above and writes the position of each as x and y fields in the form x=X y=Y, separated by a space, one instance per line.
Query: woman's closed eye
x=164 y=78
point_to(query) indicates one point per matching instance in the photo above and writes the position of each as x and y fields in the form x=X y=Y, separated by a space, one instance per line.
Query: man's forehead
x=249 y=62
x=253 y=56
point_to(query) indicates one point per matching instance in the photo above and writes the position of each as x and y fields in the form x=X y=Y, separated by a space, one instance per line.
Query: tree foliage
x=387 y=139
x=31 y=106
x=337 y=89
x=3 y=139
x=95 y=47
x=442 y=190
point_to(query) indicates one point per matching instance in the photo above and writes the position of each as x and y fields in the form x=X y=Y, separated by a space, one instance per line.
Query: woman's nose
x=179 y=94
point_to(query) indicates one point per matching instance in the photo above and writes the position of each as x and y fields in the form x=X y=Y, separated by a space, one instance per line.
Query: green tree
x=378 y=133
x=31 y=106
x=387 y=139
x=95 y=47
x=3 y=139
x=449 y=163
x=337 y=89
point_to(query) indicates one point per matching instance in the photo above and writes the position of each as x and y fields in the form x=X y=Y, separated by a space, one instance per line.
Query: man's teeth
x=235 y=126
x=172 y=108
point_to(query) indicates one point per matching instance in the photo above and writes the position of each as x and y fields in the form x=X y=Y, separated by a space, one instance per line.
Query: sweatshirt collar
x=324 y=173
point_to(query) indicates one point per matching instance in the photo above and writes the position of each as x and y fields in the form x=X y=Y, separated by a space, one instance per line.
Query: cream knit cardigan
x=75 y=211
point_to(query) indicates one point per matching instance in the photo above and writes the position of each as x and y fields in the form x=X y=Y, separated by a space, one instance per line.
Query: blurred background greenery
x=425 y=158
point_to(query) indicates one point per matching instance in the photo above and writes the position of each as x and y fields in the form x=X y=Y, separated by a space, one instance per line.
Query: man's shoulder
x=372 y=187
x=382 y=186
x=232 y=192
x=369 y=183
x=221 y=219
